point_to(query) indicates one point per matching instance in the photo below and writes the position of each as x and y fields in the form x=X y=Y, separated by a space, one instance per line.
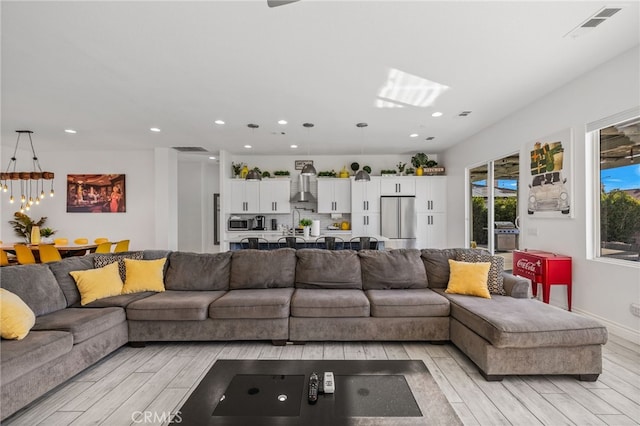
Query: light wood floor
x=157 y=379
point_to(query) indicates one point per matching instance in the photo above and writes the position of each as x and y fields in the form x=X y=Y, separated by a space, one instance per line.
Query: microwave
x=240 y=224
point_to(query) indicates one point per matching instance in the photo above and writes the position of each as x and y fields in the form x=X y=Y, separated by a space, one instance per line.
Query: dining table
x=66 y=250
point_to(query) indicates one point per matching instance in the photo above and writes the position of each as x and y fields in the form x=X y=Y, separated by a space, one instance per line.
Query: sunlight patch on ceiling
x=404 y=89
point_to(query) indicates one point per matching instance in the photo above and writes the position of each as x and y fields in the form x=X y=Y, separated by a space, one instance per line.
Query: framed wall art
x=549 y=192
x=96 y=193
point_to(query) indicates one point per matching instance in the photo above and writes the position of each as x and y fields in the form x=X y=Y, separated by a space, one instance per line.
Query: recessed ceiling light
x=294 y=146
x=413 y=135
x=70 y=131
x=282 y=121
x=437 y=114
x=220 y=122
x=154 y=129
x=212 y=158
x=248 y=146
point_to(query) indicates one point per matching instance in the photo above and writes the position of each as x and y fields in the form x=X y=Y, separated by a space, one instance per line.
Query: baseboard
x=626 y=334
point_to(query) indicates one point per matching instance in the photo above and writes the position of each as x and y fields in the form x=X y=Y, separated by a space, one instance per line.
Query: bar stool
x=291 y=242
x=364 y=243
x=253 y=242
x=329 y=242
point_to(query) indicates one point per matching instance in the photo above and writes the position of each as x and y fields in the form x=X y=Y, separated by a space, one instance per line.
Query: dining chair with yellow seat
x=24 y=254
x=81 y=241
x=103 y=247
x=48 y=253
x=100 y=240
x=61 y=241
x=121 y=246
x=4 y=259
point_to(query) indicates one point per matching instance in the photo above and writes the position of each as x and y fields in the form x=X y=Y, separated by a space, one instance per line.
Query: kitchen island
x=269 y=240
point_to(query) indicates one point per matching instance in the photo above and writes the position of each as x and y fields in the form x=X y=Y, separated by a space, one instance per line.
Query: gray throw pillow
x=198 y=271
x=392 y=269
x=263 y=268
x=318 y=268
x=436 y=263
x=496 y=280
x=101 y=260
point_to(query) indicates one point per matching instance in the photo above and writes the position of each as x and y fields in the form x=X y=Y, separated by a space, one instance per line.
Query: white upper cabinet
x=275 y=195
x=334 y=195
x=398 y=185
x=365 y=196
x=431 y=194
x=245 y=196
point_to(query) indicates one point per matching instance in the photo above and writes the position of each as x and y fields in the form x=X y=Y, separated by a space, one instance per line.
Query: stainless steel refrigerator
x=398 y=221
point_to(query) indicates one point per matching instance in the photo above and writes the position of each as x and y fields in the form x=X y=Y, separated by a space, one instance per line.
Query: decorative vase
x=419 y=171
x=35 y=234
x=244 y=172
x=306 y=231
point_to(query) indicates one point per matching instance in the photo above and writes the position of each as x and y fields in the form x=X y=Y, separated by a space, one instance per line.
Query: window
x=618 y=186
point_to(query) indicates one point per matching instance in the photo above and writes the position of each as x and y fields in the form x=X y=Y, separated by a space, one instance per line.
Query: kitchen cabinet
x=275 y=195
x=334 y=195
x=432 y=230
x=365 y=196
x=431 y=194
x=245 y=196
x=399 y=185
x=365 y=224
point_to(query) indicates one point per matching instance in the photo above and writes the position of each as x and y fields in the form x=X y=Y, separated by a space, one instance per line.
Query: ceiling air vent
x=189 y=148
x=593 y=21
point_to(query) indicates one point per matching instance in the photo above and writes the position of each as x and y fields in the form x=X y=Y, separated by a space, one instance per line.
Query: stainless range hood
x=304 y=190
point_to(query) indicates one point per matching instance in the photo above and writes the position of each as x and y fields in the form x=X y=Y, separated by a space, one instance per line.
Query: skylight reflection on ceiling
x=404 y=89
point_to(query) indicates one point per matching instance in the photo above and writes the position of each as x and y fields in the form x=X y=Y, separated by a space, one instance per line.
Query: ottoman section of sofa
x=407 y=303
x=173 y=305
x=39 y=347
x=318 y=303
x=253 y=303
x=82 y=323
x=507 y=322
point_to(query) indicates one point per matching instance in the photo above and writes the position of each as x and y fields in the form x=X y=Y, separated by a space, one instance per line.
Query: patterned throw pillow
x=101 y=260
x=496 y=281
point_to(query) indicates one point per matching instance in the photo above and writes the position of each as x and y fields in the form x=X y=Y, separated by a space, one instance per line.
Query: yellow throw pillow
x=98 y=283
x=144 y=275
x=17 y=317
x=469 y=278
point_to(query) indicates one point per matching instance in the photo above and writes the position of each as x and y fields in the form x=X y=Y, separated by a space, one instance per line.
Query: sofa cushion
x=102 y=260
x=173 y=305
x=314 y=303
x=144 y=275
x=66 y=282
x=407 y=303
x=98 y=283
x=120 y=301
x=253 y=303
x=263 y=268
x=436 y=265
x=323 y=269
x=495 y=281
x=198 y=271
x=82 y=323
x=35 y=285
x=469 y=278
x=507 y=322
x=392 y=269
x=39 y=347
x=16 y=316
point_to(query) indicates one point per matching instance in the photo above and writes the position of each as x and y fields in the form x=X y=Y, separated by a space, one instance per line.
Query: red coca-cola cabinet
x=544 y=268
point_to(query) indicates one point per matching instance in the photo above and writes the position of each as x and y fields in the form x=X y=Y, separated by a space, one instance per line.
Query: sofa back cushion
x=263 y=269
x=66 y=282
x=35 y=285
x=392 y=269
x=436 y=264
x=198 y=271
x=317 y=268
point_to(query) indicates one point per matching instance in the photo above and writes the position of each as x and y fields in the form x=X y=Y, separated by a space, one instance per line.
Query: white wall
x=137 y=224
x=600 y=289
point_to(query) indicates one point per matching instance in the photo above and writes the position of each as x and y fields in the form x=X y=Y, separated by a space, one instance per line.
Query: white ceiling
x=112 y=70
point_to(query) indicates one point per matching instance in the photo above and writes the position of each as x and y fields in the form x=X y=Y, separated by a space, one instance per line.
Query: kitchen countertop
x=274 y=236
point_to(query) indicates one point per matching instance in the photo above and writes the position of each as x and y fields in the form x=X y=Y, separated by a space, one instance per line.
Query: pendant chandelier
x=30 y=183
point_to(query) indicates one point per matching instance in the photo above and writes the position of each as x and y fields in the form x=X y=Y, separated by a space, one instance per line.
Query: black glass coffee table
x=274 y=392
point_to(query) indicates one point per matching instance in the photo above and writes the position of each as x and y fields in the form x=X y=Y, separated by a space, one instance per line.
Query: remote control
x=313 y=388
x=329 y=385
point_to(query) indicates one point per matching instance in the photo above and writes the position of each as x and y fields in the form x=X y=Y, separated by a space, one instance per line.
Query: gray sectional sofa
x=289 y=295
